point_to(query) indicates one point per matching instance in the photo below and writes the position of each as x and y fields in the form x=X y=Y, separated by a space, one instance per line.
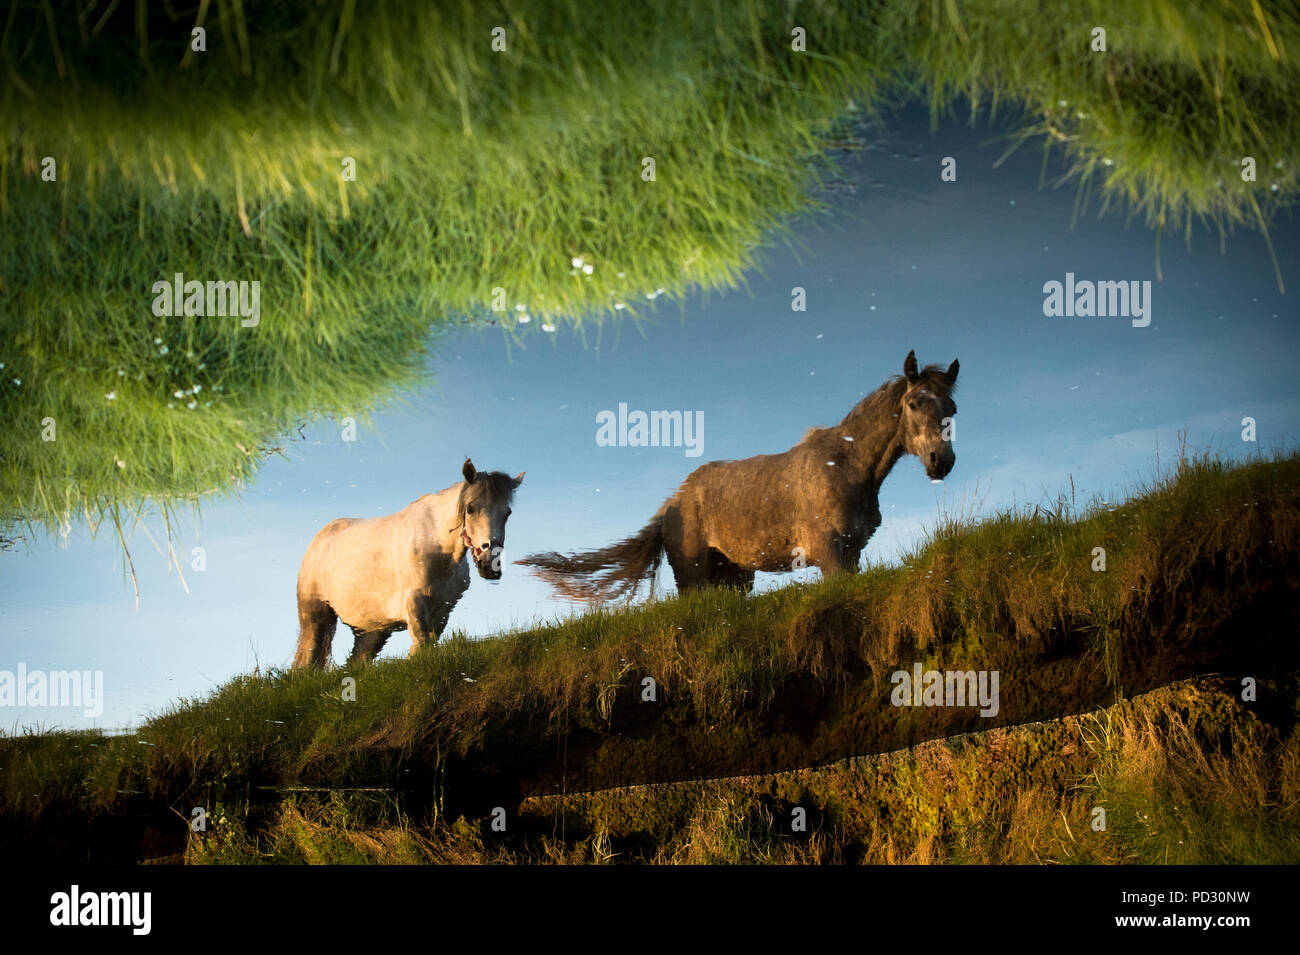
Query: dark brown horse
x=816 y=504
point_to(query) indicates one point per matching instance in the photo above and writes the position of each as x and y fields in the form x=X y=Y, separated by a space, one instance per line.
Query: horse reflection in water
x=403 y=571
x=816 y=504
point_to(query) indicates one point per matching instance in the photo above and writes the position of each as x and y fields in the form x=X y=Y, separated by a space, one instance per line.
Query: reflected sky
x=951 y=269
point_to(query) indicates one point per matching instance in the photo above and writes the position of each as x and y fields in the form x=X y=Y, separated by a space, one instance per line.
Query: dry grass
x=1185 y=775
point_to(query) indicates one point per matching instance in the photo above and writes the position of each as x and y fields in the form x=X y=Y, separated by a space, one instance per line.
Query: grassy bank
x=1184 y=774
x=1201 y=576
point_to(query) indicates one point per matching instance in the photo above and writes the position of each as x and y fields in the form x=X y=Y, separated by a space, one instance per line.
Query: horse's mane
x=884 y=398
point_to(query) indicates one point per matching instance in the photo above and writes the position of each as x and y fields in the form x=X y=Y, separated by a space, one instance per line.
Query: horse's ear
x=951 y=373
x=909 y=367
x=519 y=478
x=468 y=471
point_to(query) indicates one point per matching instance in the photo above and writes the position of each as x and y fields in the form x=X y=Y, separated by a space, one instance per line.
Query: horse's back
x=324 y=538
x=336 y=526
x=346 y=545
x=736 y=480
x=755 y=510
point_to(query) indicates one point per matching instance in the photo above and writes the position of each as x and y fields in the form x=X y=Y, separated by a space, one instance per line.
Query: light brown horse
x=403 y=571
x=816 y=504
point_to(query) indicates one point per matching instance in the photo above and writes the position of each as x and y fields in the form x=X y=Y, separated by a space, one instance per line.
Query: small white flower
x=202 y=365
x=157 y=341
x=18 y=381
x=548 y=327
x=178 y=394
x=111 y=396
x=525 y=318
x=119 y=462
x=121 y=373
x=620 y=306
x=1109 y=162
x=520 y=308
x=621 y=274
x=164 y=350
x=576 y=262
x=195 y=389
x=588 y=269
x=192 y=405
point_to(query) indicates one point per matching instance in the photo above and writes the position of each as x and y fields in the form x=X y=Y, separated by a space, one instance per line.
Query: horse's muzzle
x=489 y=564
x=938 y=466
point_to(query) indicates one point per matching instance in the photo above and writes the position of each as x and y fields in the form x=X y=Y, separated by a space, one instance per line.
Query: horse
x=815 y=504
x=402 y=571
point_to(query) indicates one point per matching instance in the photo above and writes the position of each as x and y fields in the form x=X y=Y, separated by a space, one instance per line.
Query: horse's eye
x=469 y=509
x=508 y=512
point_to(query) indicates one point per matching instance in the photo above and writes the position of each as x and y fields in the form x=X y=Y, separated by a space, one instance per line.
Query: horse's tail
x=606 y=574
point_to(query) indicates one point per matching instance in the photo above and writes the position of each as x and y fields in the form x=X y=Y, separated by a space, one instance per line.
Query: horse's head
x=927 y=411
x=483 y=509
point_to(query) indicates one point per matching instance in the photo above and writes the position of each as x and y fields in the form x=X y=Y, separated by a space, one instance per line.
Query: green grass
x=479 y=170
x=1184 y=558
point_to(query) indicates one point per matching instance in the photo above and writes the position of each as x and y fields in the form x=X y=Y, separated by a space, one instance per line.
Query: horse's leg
x=438 y=612
x=367 y=645
x=441 y=613
x=829 y=554
x=690 y=570
x=855 y=544
x=688 y=554
x=316 y=620
x=725 y=573
x=421 y=616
